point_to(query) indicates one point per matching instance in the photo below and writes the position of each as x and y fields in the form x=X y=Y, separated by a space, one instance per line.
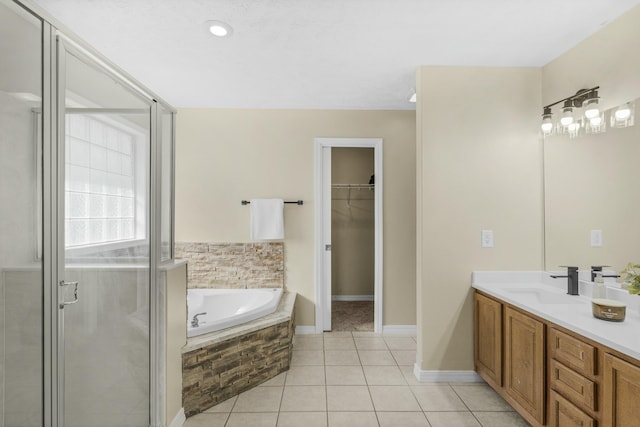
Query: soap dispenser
x=599 y=290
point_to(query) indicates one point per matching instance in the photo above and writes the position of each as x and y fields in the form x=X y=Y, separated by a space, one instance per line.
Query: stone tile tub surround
x=220 y=365
x=233 y=265
x=574 y=317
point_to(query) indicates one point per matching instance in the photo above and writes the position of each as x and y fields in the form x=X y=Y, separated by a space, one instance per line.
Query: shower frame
x=54 y=36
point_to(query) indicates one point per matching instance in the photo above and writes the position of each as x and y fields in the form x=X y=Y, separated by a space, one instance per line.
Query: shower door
x=103 y=292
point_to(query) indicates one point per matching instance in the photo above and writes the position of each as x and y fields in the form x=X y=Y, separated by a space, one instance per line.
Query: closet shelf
x=357 y=186
x=353 y=187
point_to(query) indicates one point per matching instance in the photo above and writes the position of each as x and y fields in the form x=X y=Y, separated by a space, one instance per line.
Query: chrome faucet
x=572 y=280
x=194 y=321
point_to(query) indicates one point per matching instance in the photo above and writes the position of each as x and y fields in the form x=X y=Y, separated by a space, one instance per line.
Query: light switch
x=487 y=239
x=596 y=238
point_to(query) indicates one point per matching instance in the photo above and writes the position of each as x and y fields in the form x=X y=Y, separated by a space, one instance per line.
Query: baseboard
x=305 y=330
x=399 y=329
x=179 y=419
x=352 y=298
x=446 y=376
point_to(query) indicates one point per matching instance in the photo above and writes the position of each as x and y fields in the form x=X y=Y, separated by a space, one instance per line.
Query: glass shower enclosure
x=86 y=190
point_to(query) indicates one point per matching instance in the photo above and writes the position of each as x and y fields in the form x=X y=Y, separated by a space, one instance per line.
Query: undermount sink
x=543 y=296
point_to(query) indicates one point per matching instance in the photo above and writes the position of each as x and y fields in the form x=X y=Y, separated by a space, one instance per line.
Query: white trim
x=377 y=145
x=399 y=330
x=446 y=376
x=352 y=298
x=179 y=419
x=306 y=330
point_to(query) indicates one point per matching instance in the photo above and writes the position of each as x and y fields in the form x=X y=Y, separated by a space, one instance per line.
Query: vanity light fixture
x=571 y=118
x=218 y=28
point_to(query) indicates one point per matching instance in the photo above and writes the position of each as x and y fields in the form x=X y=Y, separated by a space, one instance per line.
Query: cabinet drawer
x=580 y=356
x=563 y=413
x=575 y=387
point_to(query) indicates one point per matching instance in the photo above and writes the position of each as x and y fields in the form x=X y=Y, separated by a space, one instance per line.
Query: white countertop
x=575 y=315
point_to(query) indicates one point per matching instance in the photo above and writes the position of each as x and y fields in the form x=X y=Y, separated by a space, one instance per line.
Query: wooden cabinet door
x=524 y=362
x=488 y=339
x=621 y=390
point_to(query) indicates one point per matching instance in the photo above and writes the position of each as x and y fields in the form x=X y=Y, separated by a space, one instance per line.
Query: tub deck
x=222 y=364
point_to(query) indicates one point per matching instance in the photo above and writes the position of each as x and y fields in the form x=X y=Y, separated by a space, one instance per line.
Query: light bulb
x=218 y=28
x=591 y=110
x=547 y=124
x=574 y=129
x=566 y=120
x=623 y=113
x=595 y=121
x=567 y=115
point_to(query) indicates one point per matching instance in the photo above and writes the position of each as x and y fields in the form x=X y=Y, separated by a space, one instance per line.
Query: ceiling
x=325 y=54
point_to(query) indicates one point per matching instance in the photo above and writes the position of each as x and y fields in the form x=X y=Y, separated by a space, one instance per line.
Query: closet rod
x=297 y=202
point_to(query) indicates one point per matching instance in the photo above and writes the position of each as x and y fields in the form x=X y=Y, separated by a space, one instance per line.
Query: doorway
x=352 y=238
x=348 y=231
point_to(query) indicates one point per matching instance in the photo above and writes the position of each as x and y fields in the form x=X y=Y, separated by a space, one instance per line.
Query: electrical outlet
x=596 y=238
x=487 y=239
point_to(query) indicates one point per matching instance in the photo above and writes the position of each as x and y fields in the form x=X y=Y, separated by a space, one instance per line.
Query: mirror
x=592 y=199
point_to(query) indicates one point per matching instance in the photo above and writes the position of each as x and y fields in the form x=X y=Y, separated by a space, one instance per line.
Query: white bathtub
x=228 y=307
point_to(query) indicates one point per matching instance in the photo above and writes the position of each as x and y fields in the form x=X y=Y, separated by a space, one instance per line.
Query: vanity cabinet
x=488 y=339
x=621 y=389
x=550 y=375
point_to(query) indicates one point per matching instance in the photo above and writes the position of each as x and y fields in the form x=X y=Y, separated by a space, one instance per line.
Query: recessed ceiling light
x=219 y=28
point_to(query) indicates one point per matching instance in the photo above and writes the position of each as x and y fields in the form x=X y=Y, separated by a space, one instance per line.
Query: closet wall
x=352 y=222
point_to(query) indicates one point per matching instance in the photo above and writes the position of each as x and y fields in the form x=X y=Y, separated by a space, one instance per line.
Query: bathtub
x=225 y=308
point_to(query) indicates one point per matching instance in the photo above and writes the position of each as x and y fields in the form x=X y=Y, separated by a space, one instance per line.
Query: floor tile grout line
x=465 y=404
x=226 y=420
x=281 y=399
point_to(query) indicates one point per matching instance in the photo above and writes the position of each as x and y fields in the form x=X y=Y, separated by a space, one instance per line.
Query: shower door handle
x=75 y=293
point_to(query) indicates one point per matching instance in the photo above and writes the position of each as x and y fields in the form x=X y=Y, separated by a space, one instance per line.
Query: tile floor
x=358 y=379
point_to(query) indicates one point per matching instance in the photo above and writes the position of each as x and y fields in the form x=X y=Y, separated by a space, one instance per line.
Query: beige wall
x=352 y=223
x=478 y=167
x=176 y=337
x=609 y=58
x=224 y=156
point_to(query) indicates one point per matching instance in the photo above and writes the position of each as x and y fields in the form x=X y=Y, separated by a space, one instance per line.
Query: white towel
x=267 y=219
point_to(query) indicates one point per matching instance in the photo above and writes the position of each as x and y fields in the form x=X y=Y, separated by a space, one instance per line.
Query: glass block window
x=100 y=181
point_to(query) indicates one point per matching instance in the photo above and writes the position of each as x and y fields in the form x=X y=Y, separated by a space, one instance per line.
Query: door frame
x=322 y=282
